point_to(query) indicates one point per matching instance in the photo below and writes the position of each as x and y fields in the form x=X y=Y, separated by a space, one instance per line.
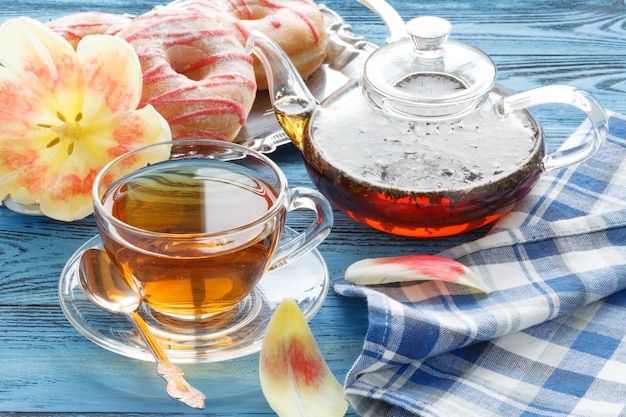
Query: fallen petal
x=413 y=268
x=295 y=379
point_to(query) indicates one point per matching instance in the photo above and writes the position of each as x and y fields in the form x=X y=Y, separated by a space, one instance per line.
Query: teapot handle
x=562 y=94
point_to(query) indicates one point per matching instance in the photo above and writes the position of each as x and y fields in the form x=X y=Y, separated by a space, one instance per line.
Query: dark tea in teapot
x=422 y=179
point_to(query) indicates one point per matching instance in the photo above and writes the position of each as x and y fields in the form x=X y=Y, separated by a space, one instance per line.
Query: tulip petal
x=113 y=79
x=295 y=379
x=18 y=157
x=105 y=140
x=33 y=86
x=45 y=63
x=413 y=268
x=14 y=115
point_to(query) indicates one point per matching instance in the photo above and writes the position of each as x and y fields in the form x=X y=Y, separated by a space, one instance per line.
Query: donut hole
x=185 y=59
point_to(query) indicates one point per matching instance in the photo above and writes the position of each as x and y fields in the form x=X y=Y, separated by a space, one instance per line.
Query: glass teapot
x=424 y=143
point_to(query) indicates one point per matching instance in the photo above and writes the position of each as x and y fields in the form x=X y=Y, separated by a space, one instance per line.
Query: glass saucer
x=306 y=280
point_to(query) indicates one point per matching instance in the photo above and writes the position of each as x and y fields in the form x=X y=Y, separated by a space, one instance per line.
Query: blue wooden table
x=48 y=368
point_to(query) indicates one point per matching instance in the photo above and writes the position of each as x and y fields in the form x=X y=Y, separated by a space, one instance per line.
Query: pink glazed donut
x=297 y=26
x=196 y=73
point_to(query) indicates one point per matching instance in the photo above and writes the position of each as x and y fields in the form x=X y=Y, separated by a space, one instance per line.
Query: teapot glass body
x=421 y=178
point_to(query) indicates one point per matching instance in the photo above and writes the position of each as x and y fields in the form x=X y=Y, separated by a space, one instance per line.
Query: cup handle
x=293 y=248
x=562 y=94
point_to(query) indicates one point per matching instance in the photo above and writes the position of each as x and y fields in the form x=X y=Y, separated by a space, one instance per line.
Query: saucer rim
x=123 y=346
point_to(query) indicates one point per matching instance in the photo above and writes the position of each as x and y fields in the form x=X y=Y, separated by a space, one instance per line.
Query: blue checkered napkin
x=550 y=340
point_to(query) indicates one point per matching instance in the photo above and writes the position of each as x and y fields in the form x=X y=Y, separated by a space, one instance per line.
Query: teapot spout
x=291 y=99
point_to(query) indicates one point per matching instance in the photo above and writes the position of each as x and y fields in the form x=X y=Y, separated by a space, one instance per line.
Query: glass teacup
x=196 y=223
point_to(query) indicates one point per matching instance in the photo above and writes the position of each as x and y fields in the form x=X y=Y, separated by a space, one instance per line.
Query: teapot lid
x=428 y=75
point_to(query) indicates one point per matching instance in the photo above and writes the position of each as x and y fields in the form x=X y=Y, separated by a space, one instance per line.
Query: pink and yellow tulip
x=65 y=114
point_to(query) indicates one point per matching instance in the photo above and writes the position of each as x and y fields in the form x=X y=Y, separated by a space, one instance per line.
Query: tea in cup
x=196 y=223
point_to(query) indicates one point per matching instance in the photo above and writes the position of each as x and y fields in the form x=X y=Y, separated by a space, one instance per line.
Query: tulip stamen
x=65 y=130
x=53 y=142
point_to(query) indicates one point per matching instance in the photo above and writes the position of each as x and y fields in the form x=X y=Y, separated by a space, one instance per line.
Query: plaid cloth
x=551 y=338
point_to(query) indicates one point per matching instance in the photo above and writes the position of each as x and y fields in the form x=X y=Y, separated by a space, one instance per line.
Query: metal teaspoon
x=107 y=289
